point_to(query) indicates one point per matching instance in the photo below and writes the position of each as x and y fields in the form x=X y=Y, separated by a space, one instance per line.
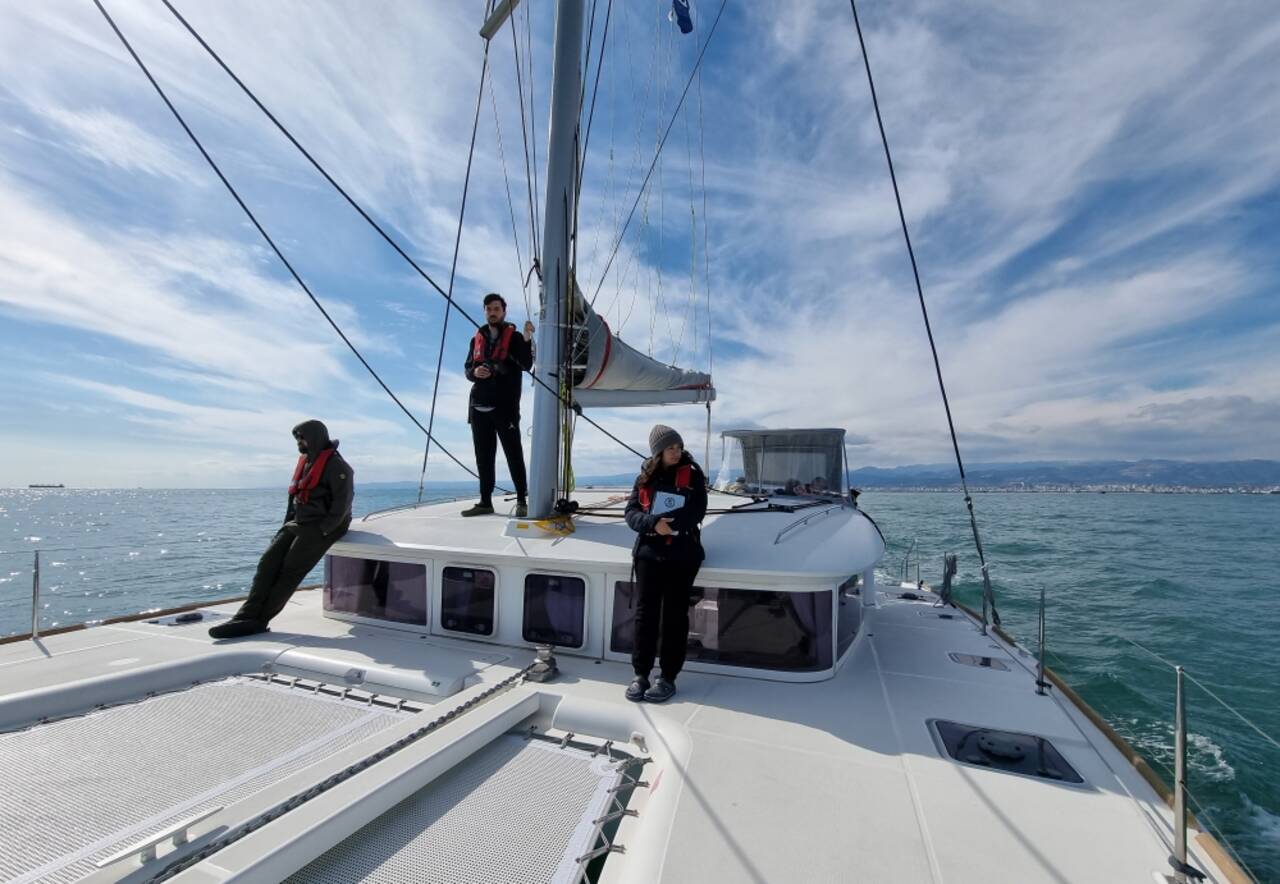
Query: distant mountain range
x=1031 y=475
x=1252 y=474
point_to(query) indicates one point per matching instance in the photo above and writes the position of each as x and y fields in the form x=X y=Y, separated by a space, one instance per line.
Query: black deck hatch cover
x=1009 y=751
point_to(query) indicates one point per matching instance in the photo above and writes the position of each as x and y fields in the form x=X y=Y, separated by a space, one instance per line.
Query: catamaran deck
x=837 y=780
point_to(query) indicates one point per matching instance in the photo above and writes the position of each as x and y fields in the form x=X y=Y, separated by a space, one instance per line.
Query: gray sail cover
x=618 y=374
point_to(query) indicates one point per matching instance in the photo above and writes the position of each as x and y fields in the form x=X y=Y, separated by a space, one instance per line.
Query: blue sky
x=1093 y=192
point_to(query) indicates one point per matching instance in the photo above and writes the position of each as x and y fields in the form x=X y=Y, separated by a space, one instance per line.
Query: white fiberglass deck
x=835 y=780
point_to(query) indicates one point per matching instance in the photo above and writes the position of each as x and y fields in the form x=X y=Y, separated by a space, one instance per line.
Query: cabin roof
x=815 y=543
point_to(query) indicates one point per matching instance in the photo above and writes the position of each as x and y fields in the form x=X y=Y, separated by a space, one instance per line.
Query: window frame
x=351 y=617
x=612 y=578
x=494 y=627
x=586 y=605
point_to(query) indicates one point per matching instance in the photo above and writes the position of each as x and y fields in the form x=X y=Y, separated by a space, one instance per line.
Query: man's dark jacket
x=501 y=390
x=329 y=504
x=687 y=545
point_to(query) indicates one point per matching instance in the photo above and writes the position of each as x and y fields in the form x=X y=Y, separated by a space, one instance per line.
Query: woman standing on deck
x=666 y=509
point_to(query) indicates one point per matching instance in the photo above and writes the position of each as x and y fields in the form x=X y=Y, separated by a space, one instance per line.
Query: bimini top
x=795 y=462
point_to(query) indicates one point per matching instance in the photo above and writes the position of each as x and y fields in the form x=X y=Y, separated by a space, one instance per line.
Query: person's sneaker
x=522 y=510
x=237 y=629
x=480 y=509
x=661 y=691
x=637 y=688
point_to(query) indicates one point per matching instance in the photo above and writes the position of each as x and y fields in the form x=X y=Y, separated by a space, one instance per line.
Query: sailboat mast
x=562 y=153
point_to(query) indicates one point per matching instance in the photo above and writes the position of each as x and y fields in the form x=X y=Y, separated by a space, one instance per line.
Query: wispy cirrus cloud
x=1089 y=190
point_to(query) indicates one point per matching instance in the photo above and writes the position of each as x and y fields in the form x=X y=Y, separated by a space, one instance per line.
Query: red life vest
x=684 y=478
x=500 y=349
x=302 y=490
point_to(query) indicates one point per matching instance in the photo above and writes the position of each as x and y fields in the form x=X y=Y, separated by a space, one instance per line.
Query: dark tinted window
x=554 y=610
x=466 y=603
x=371 y=588
x=743 y=627
x=848 y=613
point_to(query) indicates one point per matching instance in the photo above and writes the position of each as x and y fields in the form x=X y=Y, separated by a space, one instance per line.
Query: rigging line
x=511 y=205
x=315 y=164
x=261 y=230
x=595 y=89
x=706 y=243
x=524 y=135
x=586 y=61
x=679 y=104
x=363 y=214
x=453 y=269
x=533 y=120
x=691 y=303
x=933 y=348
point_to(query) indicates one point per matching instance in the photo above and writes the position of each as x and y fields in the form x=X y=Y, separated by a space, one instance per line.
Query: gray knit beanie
x=661 y=436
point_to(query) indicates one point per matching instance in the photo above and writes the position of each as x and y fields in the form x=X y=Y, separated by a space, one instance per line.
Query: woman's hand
x=663 y=527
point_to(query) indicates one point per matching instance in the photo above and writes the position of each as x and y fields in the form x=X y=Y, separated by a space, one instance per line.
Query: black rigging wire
x=524 y=135
x=511 y=203
x=359 y=210
x=658 y=153
x=261 y=230
x=453 y=269
x=595 y=89
x=933 y=348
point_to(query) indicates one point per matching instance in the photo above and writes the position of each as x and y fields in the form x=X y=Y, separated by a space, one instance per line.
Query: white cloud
x=1071 y=177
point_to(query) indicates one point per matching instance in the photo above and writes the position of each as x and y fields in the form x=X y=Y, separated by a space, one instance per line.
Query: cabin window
x=554 y=610
x=848 y=612
x=466 y=603
x=743 y=627
x=394 y=591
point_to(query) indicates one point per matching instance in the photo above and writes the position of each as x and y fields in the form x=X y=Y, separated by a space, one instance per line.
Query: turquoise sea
x=1191 y=577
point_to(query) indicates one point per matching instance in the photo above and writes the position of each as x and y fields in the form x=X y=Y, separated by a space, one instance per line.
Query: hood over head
x=316 y=435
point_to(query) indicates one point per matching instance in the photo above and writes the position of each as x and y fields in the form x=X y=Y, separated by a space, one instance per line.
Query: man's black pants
x=290 y=556
x=487 y=429
x=662 y=615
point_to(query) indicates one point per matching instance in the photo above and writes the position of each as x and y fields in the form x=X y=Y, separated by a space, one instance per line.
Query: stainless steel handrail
x=906 y=560
x=35 y=597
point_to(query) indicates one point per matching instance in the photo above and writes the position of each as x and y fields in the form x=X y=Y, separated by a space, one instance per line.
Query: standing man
x=319 y=512
x=496 y=362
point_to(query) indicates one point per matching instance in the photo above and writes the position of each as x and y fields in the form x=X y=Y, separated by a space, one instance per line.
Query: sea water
x=1191 y=578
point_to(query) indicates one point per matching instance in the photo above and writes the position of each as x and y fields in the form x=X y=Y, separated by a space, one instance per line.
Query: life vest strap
x=301 y=486
x=480 y=343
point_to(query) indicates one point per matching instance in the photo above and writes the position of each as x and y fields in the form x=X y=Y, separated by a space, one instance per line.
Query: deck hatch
x=517 y=810
x=979 y=661
x=1009 y=751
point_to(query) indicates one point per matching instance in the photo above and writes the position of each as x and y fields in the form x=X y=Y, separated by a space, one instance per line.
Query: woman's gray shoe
x=661 y=691
x=636 y=690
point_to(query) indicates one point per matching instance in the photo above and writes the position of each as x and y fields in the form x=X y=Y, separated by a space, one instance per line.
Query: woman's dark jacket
x=687 y=545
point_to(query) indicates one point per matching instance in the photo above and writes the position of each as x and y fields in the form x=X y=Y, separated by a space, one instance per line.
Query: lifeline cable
x=266 y=236
x=987 y=597
x=355 y=205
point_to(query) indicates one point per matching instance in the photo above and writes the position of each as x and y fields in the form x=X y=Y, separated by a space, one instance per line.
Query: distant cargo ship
x=59 y=485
